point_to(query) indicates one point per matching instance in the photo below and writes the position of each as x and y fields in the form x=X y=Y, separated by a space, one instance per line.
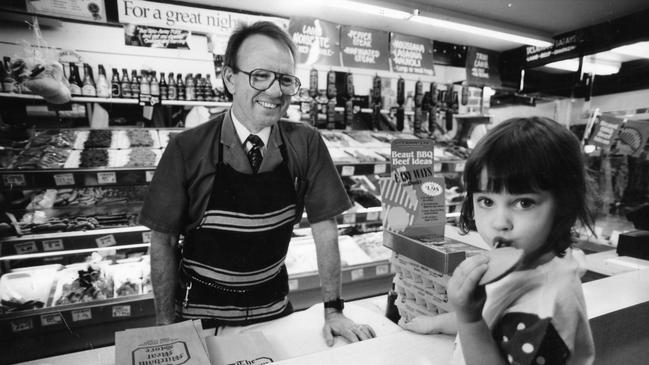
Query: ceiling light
x=479 y=31
x=639 y=49
x=368 y=9
x=598 y=67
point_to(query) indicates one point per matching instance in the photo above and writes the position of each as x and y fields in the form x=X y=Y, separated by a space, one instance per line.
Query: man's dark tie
x=254 y=155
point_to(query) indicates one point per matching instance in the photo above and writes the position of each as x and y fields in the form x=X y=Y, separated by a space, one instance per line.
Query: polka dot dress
x=527 y=339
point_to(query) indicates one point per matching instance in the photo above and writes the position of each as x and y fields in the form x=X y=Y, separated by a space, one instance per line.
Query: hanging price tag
x=51 y=319
x=357 y=274
x=104 y=178
x=293 y=284
x=382 y=269
x=149 y=175
x=459 y=167
x=347 y=171
x=373 y=216
x=26 y=247
x=121 y=311
x=146 y=237
x=64 y=179
x=81 y=315
x=349 y=218
x=14 y=180
x=380 y=168
x=52 y=245
x=105 y=241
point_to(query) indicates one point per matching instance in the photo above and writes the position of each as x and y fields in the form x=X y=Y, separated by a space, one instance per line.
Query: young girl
x=526 y=188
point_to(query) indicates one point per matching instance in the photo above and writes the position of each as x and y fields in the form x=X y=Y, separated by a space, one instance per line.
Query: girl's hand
x=425 y=325
x=464 y=294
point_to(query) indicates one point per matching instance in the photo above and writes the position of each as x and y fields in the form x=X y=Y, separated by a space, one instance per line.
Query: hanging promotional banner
x=409 y=54
x=565 y=47
x=155 y=37
x=197 y=20
x=482 y=67
x=632 y=138
x=364 y=48
x=605 y=131
x=93 y=10
x=317 y=41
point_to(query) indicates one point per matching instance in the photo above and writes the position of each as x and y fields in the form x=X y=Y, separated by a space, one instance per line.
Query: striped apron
x=232 y=266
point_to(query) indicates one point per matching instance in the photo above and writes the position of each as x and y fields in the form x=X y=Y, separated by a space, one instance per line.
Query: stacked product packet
x=178 y=343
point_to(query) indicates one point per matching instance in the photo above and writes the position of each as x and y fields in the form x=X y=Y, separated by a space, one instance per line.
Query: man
x=235 y=200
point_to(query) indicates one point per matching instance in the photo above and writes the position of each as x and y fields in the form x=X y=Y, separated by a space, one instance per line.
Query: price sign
x=380 y=168
x=437 y=167
x=293 y=284
x=357 y=274
x=373 y=216
x=347 y=171
x=146 y=237
x=121 y=311
x=26 y=247
x=349 y=218
x=105 y=241
x=104 y=178
x=53 y=245
x=459 y=167
x=64 y=179
x=22 y=324
x=149 y=175
x=51 y=319
x=14 y=180
x=81 y=315
x=382 y=269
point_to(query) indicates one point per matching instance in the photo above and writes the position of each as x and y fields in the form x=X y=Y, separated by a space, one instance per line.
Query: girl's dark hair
x=523 y=155
x=266 y=28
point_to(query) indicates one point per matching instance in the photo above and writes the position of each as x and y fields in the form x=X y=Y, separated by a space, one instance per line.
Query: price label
x=349 y=218
x=104 y=178
x=146 y=237
x=26 y=247
x=459 y=167
x=373 y=216
x=380 y=169
x=121 y=311
x=148 y=175
x=105 y=241
x=14 y=180
x=51 y=319
x=382 y=269
x=357 y=274
x=22 y=324
x=81 y=315
x=347 y=171
x=53 y=245
x=64 y=179
x=437 y=167
x=293 y=284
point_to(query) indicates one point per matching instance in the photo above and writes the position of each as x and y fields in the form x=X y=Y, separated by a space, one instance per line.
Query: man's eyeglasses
x=261 y=80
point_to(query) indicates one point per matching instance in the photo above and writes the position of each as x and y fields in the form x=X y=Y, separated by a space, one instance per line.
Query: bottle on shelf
x=199 y=92
x=172 y=88
x=182 y=92
x=135 y=84
x=89 y=88
x=164 y=88
x=126 y=85
x=8 y=82
x=102 y=87
x=190 y=88
x=74 y=80
x=154 y=85
x=209 y=89
x=115 y=85
x=145 y=85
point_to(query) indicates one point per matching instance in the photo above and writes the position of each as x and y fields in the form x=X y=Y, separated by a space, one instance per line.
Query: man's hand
x=336 y=324
x=464 y=293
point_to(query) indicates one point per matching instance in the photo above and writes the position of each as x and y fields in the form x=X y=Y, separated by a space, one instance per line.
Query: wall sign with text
x=409 y=54
x=364 y=48
x=317 y=41
x=482 y=67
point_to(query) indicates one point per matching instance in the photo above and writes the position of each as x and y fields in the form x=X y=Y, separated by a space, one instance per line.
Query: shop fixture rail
x=85 y=99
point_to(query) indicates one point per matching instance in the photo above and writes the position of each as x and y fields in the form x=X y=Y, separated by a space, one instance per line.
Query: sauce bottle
x=172 y=88
x=88 y=88
x=126 y=85
x=102 y=87
x=115 y=85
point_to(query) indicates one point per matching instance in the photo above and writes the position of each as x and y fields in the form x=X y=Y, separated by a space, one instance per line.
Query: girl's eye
x=525 y=203
x=485 y=202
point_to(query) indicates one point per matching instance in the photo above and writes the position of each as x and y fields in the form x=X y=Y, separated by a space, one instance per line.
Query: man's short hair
x=266 y=28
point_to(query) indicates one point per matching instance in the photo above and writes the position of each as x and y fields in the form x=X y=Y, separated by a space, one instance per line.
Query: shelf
x=373 y=168
x=197 y=103
x=62 y=242
x=92 y=99
x=60 y=178
x=133 y=101
x=370 y=215
x=20 y=96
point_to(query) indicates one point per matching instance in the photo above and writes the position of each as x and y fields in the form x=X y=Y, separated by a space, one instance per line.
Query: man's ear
x=227 y=74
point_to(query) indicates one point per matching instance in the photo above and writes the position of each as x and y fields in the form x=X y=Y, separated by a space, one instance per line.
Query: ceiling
x=541 y=18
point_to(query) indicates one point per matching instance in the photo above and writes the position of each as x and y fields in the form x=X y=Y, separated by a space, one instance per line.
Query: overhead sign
x=482 y=67
x=409 y=54
x=317 y=41
x=564 y=47
x=155 y=37
x=199 y=20
x=605 y=131
x=93 y=10
x=364 y=48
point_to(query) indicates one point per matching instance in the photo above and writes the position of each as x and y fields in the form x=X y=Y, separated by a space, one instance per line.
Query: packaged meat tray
x=135 y=157
x=365 y=138
x=27 y=288
x=165 y=134
x=339 y=155
x=337 y=139
x=83 y=283
x=131 y=138
x=364 y=155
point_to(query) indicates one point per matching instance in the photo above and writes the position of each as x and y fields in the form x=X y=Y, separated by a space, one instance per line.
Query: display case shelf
x=133 y=101
x=369 y=215
x=197 y=103
x=63 y=178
